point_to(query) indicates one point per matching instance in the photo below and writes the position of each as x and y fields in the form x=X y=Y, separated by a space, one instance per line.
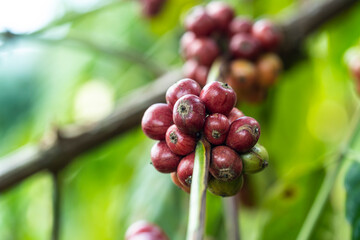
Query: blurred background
x=70 y=61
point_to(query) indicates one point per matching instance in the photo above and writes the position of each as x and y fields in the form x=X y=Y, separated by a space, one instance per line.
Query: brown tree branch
x=71 y=143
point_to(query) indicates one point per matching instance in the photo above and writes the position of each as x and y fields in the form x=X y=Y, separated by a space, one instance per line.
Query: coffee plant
x=142 y=120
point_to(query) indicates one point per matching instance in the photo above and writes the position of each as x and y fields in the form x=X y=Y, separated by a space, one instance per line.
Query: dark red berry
x=267 y=34
x=216 y=128
x=243 y=134
x=240 y=25
x=176 y=181
x=203 y=50
x=151 y=8
x=268 y=66
x=243 y=74
x=199 y=22
x=235 y=114
x=192 y=69
x=218 y=97
x=156 y=120
x=354 y=67
x=226 y=164
x=185 y=169
x=181 y=88
x=243 y=45
x=185 y=41
x=189 y=114
x=221 y=13
x=178 y=142
x=163 y=159
x=143 y=230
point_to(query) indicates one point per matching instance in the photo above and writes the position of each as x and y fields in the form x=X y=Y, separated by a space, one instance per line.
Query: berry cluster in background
x=151 y=8
x=248 y=47
x=192 y=113
x=143 y=230
x=352 y=58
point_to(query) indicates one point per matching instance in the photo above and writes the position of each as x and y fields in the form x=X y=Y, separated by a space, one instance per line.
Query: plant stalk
x=328 y=183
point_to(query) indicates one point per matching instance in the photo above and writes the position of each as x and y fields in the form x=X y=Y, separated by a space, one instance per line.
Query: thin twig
x=119 y=53
x=232 y=218
x=330 y=178
x=56 y=205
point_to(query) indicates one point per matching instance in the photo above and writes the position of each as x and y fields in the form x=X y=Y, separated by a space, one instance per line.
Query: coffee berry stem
x=196 y=222
x=215 y=71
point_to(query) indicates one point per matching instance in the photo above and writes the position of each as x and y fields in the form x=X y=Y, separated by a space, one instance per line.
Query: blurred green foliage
x=304 y=120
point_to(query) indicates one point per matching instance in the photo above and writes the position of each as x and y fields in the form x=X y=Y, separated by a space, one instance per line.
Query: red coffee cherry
x=225 y=188
x=181 y=88
x=243 y=74
x=240 y=25
x=243 y=134
x=354 y=67
x=163 y=159
x=185 y=41
x=199 y=22
x=189 y=114
x=218 y=97
x=178 y=142
x=235 y=114
x=151 y=8
x=156 y=120
x=268 y=67
x=216 y=128
x=226 y=164
x=143 y=230
x=185 y=169
x=221 y=13
x=243 y=45
x=267 y=34
x=203 y=50
x=192 y=69
x=176 y=181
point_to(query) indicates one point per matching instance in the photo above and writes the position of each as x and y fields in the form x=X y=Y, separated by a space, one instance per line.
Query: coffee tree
x=156 y=119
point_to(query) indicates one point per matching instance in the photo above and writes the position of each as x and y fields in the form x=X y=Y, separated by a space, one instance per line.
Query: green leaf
x=352 y=187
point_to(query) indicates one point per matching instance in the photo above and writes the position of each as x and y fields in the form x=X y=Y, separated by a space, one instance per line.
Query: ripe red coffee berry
x=185 y=41
x=156 y=120
x=163 y=159
x=216 y=128
x=243 y=134
x=176 y=181
x=221 y=13
x=203 y=50
x=151 y=8
x=192 y=69
x=185 y=169
x=243 y=45
x=226 y=164
x=267 y=34
x=218 y=97
x=181 y=88
x=199 y=22
x=178 y=142
x=235 y=114
x=189 y=114
x=143 y=230
x=240 y=25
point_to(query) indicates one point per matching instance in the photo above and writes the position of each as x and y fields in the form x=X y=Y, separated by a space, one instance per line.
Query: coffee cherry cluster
x=143 y=230
x=213 y=31
x=352 y=58
x=192 y=113
x=151 y=8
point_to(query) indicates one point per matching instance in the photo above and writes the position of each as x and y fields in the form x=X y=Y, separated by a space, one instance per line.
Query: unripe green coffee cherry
x=225 y=188
x=255 y=160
